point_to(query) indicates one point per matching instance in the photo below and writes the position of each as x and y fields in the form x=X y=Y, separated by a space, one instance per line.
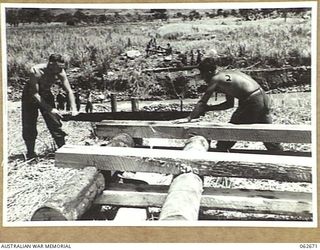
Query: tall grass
x=254 y=39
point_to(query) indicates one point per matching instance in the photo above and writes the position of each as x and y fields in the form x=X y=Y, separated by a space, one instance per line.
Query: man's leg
x=272 y=146
x=53 y=122
x=29 y=125
x=225 y=146
x=266 y=118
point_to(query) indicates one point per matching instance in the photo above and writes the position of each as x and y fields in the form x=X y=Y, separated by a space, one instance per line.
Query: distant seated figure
x=168 y=50
x=182 y=57
x=89 y=106
x=77 y=99
x=151 y=45
x=192 y=62
x=199 y=56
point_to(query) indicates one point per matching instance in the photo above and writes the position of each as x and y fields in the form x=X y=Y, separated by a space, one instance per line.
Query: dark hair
x=56 y=58
x=208 y=65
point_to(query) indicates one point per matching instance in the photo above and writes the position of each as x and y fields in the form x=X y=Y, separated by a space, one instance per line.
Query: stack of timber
x=188 y=187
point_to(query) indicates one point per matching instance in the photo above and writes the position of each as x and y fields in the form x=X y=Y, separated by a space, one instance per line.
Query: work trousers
x=30 y=115
x=254 y=109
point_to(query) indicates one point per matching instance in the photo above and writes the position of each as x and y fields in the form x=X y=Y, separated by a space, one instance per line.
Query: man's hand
x=74 y=112
x=199 y=110
x=56 y=112
x=184 y=120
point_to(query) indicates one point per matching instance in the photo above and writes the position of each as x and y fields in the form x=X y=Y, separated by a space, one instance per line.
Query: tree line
x=16 y=16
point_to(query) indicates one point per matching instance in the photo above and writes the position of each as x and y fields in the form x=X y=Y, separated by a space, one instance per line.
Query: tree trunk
x=183 y=200
x=77 y=194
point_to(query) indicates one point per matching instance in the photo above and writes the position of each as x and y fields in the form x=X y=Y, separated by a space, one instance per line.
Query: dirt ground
x=29 y=184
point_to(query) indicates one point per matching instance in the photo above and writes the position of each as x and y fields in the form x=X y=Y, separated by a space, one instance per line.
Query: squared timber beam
x=281 y=168
x=211 y=131
x=261 y=201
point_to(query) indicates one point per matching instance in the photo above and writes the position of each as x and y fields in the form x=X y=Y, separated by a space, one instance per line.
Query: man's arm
x=34 y=91
x=66 y=86
x=201 y=106
x=229 y=103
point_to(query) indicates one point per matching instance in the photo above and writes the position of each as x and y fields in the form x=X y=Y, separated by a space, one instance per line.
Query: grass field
x=272 y=38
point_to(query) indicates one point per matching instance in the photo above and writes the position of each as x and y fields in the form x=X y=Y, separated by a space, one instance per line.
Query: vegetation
x=97 y=48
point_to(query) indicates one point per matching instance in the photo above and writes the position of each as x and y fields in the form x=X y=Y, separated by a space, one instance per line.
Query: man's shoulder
x=38 y=69
x=227 y=74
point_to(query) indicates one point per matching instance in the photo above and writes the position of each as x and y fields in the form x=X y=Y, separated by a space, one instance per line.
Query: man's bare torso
x=44 y=78
x=234 y=83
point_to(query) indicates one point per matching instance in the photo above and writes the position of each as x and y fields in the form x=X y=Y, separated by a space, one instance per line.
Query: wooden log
x=281 y=168
x=124 y=115
x=183 y=200
x=113 y=103
x=242 y=200
x=174 y=69
x=214 y=214
x=77 y=194
x=73 y=199
x=169 y=69
x=177 y=146
x=211 y=131
x=134 y=104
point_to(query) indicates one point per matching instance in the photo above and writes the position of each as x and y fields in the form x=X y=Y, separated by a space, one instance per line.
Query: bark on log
x=186 y=68
x=78 y=193
x=183 y=200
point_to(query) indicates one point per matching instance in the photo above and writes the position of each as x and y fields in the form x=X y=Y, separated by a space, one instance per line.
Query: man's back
x=234 y=83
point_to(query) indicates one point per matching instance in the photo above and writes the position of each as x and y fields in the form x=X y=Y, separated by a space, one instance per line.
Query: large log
x=281 y=168
x=211 y=131
x=183 y=200
x=170 y=69
x=77 y=194
x=73 y=199
x=124 y=115
x=247 y=70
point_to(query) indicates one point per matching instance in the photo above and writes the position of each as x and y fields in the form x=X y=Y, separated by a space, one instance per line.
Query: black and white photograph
x=159 y=114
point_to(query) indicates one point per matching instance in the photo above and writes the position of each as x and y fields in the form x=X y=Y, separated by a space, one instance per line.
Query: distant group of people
x=63 y=102
x=153 y=48
x=195 y=58
x=185 y=58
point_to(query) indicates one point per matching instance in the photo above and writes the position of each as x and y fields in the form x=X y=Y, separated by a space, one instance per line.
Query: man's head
x=56 y=63
x=207 y=68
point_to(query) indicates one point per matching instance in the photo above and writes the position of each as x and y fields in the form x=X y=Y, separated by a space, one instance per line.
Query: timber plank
x=211 y=131
x=274 y=202
x=281 y=168
x=124 y=115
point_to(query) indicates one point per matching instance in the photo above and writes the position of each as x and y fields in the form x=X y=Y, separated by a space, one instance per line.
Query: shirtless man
x=37 y=95
x=254 y=105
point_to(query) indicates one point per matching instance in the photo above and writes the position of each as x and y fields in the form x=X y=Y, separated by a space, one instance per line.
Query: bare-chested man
x=37 y=95
x=254 y=106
